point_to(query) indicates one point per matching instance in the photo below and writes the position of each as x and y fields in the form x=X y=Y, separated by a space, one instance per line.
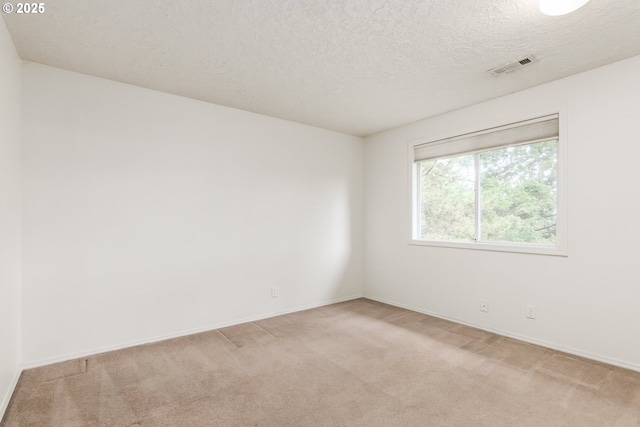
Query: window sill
x=495 y=247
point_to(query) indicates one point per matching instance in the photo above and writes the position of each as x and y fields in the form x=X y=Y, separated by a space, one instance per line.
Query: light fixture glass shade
x=560 y=7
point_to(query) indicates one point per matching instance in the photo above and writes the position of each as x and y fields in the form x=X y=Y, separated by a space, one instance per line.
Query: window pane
x=518 y=193
x=447 y=198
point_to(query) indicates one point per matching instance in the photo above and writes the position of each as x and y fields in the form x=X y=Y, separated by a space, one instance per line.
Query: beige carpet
x=359 y=363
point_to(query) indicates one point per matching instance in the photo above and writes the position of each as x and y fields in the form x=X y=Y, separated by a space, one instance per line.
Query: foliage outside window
x=503 y=192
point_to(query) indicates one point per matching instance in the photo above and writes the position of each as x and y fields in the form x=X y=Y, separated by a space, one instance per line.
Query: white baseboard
x=77 y=355
x=519 y=337
x=4 y=404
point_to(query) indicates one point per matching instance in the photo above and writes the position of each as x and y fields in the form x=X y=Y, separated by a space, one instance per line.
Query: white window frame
x=561 y=247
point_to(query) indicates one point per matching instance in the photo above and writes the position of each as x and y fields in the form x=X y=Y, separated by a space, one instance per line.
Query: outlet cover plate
x=484 y=305
x=531 y=311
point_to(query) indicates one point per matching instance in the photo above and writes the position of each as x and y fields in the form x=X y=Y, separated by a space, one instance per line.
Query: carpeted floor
x=358 y=363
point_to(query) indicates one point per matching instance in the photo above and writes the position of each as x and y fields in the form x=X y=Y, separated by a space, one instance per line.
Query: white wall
x=147 y=215
x=9 y=216
x=587 y=303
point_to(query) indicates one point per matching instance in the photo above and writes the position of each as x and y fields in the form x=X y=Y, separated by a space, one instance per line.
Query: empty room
x=319 y=213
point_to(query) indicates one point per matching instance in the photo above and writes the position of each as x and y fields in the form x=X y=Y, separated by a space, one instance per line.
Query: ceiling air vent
x=512 y=66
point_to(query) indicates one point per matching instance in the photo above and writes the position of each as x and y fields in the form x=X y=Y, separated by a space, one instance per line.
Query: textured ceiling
x=355 y=66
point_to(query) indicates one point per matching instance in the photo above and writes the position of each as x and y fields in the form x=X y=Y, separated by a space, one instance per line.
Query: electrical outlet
x=274 y=292
x=531 y=311
x=484 y=305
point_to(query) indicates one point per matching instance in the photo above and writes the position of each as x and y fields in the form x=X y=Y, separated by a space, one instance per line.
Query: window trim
x=561 y=247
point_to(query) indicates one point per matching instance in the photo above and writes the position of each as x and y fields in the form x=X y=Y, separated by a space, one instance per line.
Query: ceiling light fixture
x=560 y=7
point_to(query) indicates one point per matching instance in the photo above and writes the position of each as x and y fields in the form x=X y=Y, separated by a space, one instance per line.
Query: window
x=496 y=189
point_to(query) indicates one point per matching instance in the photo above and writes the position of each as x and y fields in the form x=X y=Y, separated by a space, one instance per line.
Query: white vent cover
x=512 y=66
